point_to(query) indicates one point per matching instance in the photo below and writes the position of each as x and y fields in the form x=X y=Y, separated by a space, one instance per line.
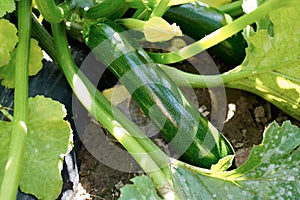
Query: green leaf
x=7 y=6
x=141 y=189
x=8 y=38
x=271 y=68
x=35 y=59
x=7 y=72
x=271 y=171
x=264 y=23
x=49 y=139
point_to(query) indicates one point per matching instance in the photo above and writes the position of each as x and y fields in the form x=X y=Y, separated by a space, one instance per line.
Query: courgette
x=157 y=95
x=197 y=20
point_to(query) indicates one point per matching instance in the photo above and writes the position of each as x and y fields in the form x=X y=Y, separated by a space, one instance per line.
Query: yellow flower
x=158 y=30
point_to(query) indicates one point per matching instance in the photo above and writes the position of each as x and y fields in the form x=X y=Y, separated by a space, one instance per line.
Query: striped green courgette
x=157 y=95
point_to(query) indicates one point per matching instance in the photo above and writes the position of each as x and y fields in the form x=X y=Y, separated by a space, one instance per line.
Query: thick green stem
x=131 y=23
x=44 y=38
x=152 y=160
x=150 y=4
x=160 y=9
x=13 y=168
x=55 y=13
x=206 y=81
x=182 y=78
x=220 y=34
x=140 y=13
x=234 y=9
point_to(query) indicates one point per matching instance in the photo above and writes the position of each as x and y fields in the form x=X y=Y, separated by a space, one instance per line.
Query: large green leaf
x=271 y=68
x=7 y=72
x=271 y=171
x=141 y=189
x=8 y=38
x=7 y=6
x=49 y=139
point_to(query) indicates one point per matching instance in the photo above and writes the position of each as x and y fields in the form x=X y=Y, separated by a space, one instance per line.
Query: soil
x=244 y=129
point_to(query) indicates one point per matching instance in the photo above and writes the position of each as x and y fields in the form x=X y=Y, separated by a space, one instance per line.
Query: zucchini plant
x=37 y=131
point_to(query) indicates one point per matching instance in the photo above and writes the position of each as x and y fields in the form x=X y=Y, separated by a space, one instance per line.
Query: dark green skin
x=157 y=90
x=197 y=21
x=103 y=9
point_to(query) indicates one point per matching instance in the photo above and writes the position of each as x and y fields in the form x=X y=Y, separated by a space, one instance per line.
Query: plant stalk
x=160 y=9
x=13 y=168
x=44 y=38
x=152 y=160
x=234 y=9
x=140 y=13
x=132 y=23
x=207 y=81
x=55 y=13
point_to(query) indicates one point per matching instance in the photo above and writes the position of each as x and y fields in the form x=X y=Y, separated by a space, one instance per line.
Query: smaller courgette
x=197 y=20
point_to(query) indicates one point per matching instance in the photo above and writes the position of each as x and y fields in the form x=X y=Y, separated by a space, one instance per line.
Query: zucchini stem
x=140 y=13
x=208 y=81
x=160 y=9
x=182 y=78
x=44 y=38
x=13 y=168
x=234 y=9
x=152 y=160
x=55 y=13
x=131 y=23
